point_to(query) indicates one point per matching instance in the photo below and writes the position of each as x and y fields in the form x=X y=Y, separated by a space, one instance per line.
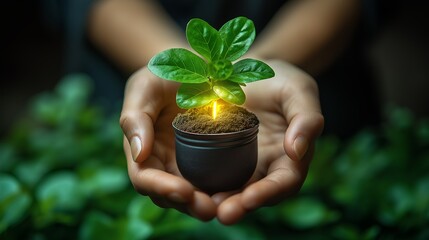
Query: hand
x=148 y=110
x=290 y=120
x=287 y=107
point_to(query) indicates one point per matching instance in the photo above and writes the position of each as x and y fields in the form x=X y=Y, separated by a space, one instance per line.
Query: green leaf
x=179 y=65
x=30 y=172
x=175 y=225
x=137 y=229
x=220 y=70
x=230 y=92
x=8 y=157
x=102 y=180
x=238 y=35
x=215 y=230
x=250 y=70
x=61 y=191
x=204 y=39
x=304 y=213
x=195 y=95
x=144 y=209
x=98 y=225
x=74 y=89
x=14 y=202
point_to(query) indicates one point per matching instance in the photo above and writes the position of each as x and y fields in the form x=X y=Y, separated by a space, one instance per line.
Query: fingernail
x=136 y=147
x=300 y=146
x=175 y=197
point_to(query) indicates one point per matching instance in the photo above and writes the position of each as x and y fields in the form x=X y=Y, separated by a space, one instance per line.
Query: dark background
x=32 y=56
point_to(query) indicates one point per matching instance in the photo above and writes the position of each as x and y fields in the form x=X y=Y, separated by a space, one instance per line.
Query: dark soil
x=230 y=118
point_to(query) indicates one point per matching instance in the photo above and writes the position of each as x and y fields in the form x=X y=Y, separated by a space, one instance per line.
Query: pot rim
x=248 y=130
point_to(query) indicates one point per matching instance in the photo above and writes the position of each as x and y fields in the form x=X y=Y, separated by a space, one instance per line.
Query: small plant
x=228 y=142
x=214 y=76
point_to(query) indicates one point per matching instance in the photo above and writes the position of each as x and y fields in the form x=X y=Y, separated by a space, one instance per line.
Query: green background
x=63 y=176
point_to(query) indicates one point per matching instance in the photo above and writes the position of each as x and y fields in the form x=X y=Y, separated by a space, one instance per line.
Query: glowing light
x=214 y=110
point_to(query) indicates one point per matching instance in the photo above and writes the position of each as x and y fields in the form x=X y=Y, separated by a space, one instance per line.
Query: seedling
x=213 y=75
x=204 y=156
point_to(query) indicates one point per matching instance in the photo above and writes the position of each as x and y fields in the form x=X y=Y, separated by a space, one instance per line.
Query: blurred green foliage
x=63 y=176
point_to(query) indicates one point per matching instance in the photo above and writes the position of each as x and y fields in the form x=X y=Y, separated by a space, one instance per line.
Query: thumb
x=139 y=132
x=137 y=116
x=303 y=130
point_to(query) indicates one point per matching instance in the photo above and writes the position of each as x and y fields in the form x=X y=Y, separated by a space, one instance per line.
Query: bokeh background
x=62 y=171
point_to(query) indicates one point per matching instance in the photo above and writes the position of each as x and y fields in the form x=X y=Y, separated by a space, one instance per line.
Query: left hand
x=290 y=121
x=148 y=110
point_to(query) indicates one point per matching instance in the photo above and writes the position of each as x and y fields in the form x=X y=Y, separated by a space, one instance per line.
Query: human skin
x=286 y=105
x=290 y=121
x=307 y=33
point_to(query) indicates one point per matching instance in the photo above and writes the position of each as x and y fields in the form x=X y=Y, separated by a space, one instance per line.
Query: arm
x=131 y=31
x=290 y=115
x=308 y=33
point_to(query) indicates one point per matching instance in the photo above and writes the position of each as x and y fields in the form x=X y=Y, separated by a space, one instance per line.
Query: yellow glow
x=214 y=110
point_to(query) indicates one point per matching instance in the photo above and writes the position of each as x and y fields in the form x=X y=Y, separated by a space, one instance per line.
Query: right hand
x=148 y=110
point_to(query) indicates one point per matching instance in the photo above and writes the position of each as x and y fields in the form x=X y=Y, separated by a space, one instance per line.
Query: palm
x=269 y=107
x=287 y=107
x=270 y=139
x=163 y=148
x=148 y=111
x=162 y=155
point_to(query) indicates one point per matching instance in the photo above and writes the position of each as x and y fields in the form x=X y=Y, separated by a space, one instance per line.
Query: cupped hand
x=148 y=110
x=290 y=121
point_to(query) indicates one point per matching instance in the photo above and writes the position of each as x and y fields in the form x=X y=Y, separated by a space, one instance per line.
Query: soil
x=230 y=118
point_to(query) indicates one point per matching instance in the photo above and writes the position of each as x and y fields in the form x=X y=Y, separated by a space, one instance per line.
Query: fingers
x=297 y=96
x=154 y=182
x=169 y=191
x=151 y=164
x=218 y=198
x=139 y=133
x=139 y=112
x=231 y=210
x=303 y=130
x=200 y=207
x=304 y=117
x=279 y=184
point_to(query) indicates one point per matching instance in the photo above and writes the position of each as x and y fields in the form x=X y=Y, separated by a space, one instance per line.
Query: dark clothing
x=347 y=93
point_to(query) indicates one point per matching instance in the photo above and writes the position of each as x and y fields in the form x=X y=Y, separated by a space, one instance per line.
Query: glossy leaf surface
x=230 y=92
x=194 y=95
x=179 y=65
x=250 y=70
x=204 y=39
x=221 y=70
x=238 y=35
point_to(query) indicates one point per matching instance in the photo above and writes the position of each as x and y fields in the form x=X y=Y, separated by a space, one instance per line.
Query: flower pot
x=217 y=162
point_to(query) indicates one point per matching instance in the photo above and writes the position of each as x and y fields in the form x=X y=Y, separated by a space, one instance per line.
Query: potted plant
x=216 y=140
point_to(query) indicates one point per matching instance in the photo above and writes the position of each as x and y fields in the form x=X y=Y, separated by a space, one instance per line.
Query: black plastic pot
x=217 y=162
